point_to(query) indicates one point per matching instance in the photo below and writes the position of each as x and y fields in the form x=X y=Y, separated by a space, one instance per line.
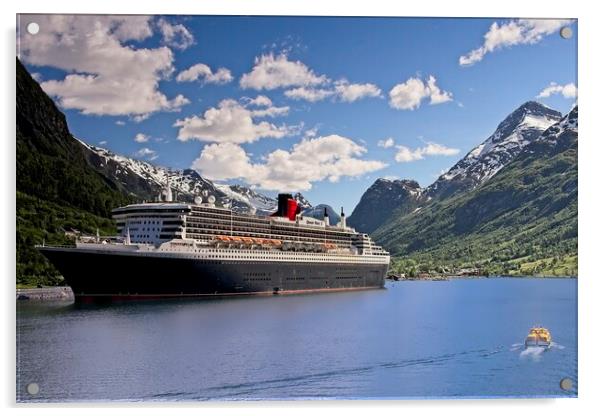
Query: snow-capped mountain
x=302 y=201
x=385 y=198
x=145 y=180
x=561 y=134
x=535 y=193
x=248 y=197
x=512 y=135
x=317 y=212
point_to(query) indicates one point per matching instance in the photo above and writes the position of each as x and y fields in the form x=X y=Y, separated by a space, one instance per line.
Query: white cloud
x=386 y=143
x=352 y=92
x=271 y=72
x=139 y=118
x=232 y=122
x=259 y=101
x=513 y=32
x=146 y=153
x=271 y=112
x=102 y=142
x=311 y=160
x=141 y=138
x=311 y=133
x=132 y=27
x=105 y=77
x=176 y=36
x=308 y=94
x=205 y=74
x=277 y=71
x=342 y=90
x=567 y=91
x=409 y=95
x=120 y=123
x=405 y=154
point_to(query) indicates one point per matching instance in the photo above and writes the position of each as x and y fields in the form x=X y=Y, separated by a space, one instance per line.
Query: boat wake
x=534 y=353
x=297 y=386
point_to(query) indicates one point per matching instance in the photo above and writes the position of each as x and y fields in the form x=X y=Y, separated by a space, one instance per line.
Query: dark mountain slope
x=56 y=187
x=51 y=164
x=381 y=201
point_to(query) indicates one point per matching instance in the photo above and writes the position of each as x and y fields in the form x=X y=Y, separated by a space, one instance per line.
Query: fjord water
x=415 y=339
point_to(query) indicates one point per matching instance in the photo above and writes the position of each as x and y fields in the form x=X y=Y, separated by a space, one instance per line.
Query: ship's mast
x=168 y=195
x=343 y=221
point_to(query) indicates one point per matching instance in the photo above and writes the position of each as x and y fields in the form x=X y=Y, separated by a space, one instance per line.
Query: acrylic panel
x=295 y=208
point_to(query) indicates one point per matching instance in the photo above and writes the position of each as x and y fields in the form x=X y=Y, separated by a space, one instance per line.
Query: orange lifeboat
x=538 y=337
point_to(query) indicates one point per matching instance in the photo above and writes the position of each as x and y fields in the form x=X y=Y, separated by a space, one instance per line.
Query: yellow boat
x=538 y=337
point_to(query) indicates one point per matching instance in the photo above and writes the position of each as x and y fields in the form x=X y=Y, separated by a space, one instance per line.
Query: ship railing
x=55 y=246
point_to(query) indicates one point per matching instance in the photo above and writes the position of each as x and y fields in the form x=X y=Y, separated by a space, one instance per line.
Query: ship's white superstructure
x=205 y=230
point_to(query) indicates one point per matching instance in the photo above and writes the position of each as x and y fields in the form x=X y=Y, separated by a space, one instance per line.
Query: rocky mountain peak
x=557 y=137
x=317 y=212
x=381 y=200
x=302 y=200
x=408 y=184
x=530 y=115
x=513 y=134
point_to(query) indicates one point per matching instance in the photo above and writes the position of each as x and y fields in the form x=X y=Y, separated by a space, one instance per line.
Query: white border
x=589 y=184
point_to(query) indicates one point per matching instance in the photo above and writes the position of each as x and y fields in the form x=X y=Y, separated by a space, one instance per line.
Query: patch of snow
x=248 y=197
x=537 y=122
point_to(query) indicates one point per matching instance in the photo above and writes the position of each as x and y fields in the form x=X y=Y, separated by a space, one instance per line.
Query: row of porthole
x=285 y=258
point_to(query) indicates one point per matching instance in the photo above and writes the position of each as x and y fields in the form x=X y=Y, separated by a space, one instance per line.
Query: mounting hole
x=566 y=384
x=33 y=388
x=33 y=28
x=566 y=32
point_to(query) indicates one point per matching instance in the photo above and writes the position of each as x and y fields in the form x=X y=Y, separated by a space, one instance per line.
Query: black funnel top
x=283 y=204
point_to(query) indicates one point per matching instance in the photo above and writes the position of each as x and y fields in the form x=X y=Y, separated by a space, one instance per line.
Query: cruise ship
x=168 y=248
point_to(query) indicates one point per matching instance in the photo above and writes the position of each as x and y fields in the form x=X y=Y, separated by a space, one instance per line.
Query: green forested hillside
x=522 y=221
x=39 y=221
x=56 y=187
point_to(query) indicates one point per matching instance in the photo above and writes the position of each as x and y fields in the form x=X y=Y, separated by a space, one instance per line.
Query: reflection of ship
x=181 y=249
x=538 y=337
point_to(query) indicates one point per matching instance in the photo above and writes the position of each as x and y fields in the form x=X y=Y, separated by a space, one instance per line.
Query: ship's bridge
x=366 y=246
x=151 y=223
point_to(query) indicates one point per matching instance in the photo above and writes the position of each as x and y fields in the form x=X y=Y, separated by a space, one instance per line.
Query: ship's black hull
x=106 y=274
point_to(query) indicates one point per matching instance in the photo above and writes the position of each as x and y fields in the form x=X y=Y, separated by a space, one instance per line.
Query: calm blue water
x=460 y=338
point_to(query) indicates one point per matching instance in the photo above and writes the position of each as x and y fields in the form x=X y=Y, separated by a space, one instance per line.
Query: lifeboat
x=538 y=337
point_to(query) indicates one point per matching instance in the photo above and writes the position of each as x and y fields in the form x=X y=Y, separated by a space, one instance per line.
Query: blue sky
x=402 y=79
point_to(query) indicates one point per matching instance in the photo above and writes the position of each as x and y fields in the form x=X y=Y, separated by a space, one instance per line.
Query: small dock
x=45 y=294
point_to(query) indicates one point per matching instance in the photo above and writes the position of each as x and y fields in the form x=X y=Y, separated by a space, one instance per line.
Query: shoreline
x=453 y=277
x=51 y=293
x=64 y=293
